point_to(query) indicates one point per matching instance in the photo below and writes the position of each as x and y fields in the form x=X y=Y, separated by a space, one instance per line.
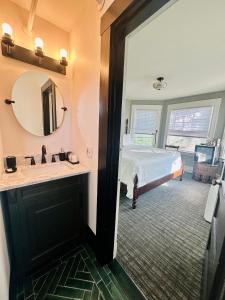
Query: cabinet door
x=51 y=220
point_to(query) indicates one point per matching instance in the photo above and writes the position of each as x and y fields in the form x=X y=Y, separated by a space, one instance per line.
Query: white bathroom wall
x=16 y=140
x=85 y=53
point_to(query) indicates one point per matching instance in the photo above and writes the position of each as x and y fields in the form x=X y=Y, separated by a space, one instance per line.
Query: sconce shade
x=7 y=35
x=7 y=29
x=63 y=57
x=63 y=53
x=39 y=45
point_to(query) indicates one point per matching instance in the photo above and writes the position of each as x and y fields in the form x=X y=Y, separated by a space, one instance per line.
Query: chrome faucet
x=43 y=153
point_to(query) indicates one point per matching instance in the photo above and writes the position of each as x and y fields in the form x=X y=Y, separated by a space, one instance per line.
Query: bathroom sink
x=45 y=169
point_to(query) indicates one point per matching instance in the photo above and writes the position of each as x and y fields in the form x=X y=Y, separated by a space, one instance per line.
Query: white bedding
x=148 y=163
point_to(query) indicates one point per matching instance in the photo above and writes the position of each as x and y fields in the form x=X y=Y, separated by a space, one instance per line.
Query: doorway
x=110 y=119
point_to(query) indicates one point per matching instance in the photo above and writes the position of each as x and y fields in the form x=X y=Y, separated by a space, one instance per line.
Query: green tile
x=87 y=295
x=114 y=284
x=84 y=254
x=56 y=279
x=20 y=296
x=69 y=292
x=84 y=276
x=79 y=284
x=46 y=285
x=93 y=270
x=81 y=265
x=90 y=252
x=107 y=269
x=80 y=276
x=95 y=292
x=32 y=297
x=105 y=292
x=72 y=252
x=101 y=271
x=46 y=268
x=85 y=269
x=39 y=283
x=54 y=297
x=75 y=265
x=115 y=292
x=66 y=271
x=28 y=287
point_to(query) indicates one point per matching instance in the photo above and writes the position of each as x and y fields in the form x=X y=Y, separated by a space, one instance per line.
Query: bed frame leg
x=181 y=176
x=135 y=192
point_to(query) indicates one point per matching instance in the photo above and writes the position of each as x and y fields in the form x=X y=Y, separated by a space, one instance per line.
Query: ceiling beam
x=31 y=17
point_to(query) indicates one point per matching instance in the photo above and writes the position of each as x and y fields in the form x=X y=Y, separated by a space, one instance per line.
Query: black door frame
x=121 y=19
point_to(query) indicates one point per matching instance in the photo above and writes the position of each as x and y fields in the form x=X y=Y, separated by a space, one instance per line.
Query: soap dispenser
x=62 y=155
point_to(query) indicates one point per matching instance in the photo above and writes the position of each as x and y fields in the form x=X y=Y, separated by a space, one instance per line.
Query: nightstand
x=204 y=172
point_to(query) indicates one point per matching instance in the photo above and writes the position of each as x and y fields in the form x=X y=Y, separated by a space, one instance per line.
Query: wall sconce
x=7 y=36
x=63 y=57
x=39 y=45
x=36 y=57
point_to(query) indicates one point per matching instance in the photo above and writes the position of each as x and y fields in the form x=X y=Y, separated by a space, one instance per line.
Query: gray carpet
x=161 y=244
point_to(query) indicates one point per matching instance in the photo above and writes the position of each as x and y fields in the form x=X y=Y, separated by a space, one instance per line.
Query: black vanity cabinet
x=214 y=267
x=45 y=220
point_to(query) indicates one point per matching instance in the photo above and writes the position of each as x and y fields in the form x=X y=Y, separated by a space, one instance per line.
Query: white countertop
x=29 y=175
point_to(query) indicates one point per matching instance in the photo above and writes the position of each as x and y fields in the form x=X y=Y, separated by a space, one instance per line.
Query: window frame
x=215 y=103
x=156 y=107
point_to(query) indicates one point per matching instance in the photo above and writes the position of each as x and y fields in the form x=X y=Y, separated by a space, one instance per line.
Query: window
x=145 y=124
x=189 y=126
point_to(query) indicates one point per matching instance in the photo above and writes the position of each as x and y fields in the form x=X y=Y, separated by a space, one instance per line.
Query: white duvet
x=148 y=163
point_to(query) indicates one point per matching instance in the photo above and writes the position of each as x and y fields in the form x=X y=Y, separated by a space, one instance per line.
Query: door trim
x=121 y=19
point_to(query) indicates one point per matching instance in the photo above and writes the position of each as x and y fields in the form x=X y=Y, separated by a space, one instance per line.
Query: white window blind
x=145 y=121
x=190 y=122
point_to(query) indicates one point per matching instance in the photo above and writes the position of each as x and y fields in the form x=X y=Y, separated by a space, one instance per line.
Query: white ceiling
x=185 y=44
x=58 y=12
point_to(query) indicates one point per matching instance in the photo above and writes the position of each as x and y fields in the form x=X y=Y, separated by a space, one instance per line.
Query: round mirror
x=38 y=103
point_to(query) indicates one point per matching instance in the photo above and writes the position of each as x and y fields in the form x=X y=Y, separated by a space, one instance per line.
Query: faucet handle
x=53 y=158
x=43 y=149
x=32 y=160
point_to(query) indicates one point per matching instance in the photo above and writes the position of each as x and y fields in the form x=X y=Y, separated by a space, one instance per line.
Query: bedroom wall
x=188 y=159
x=221 y=119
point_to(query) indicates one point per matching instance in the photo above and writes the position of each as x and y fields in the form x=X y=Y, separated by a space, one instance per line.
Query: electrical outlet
x=89 y=152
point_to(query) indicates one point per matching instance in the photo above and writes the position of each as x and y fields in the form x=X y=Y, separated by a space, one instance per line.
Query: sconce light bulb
x=63 y=57
x=39 y=44
x=7 y=29
x=63 y=53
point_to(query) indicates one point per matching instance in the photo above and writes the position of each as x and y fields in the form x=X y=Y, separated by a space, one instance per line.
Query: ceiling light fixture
x=159 y=84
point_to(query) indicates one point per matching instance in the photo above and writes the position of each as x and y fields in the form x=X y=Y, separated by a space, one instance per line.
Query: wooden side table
x=204 y=172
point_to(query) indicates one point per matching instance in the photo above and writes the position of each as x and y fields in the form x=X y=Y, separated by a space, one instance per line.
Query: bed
x=144 y=168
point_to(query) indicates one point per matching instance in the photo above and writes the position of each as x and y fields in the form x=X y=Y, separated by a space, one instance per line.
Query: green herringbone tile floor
x=76 y=275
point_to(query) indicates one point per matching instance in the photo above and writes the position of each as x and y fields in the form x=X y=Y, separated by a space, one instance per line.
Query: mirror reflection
x=38 y=103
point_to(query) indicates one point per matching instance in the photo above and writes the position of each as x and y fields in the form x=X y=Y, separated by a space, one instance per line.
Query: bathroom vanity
x=45 y=214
